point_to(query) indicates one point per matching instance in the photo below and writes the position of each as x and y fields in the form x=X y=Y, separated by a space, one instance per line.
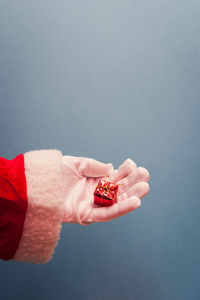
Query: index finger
x=124 y=170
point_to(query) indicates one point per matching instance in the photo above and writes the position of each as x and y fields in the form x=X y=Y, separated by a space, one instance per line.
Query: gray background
x=109 y=80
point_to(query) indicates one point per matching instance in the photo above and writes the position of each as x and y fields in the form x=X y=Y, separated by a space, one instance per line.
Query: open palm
x=81 y=177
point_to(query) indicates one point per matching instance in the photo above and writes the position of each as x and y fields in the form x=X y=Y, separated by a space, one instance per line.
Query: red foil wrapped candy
x=105 y=193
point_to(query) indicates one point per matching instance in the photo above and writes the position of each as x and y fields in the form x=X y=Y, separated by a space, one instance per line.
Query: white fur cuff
x=44 y=178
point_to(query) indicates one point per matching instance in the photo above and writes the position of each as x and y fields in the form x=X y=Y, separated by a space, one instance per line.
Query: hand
x=81 y=177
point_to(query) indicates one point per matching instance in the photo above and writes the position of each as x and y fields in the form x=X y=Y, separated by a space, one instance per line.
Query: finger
x=94 y=168
x=140 y=174
x=103 y=214
x=139 y=189
x=90 y=167
x=124 y=170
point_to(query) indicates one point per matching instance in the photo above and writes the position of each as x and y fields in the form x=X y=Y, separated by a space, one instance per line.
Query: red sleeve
x=13 y=204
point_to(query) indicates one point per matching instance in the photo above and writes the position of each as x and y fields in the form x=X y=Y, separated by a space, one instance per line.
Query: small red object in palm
x=105 y=193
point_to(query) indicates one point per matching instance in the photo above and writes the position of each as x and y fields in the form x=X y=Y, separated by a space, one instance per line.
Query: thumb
x=92 y=168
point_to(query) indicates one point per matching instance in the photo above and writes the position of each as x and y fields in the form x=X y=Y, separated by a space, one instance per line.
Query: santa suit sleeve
x=31 y=205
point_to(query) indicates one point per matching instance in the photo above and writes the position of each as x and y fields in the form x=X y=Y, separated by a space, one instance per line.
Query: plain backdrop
x=109 y=80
